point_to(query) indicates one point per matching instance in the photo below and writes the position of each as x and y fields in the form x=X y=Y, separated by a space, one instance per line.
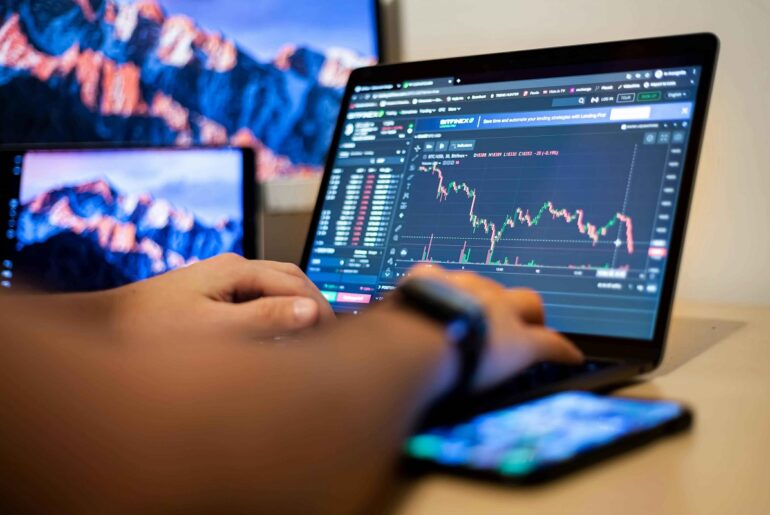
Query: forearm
x=392 y=371
x=118 y=425
x=57 y=396
x=158 y=398
x=331 y=416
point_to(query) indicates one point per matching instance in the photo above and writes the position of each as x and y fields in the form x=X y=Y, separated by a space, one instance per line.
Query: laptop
x=93 y=218
x=565 y=170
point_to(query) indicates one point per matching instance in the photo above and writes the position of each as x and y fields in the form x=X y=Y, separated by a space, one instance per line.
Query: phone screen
x=519 y=441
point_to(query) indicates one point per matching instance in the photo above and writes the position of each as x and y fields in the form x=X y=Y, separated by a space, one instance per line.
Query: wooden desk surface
x=718 y=361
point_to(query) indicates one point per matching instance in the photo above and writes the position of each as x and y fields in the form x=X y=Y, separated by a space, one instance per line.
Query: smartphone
x=544 y=438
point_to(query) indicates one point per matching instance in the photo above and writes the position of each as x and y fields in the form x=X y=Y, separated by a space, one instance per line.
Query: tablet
x=78 y=219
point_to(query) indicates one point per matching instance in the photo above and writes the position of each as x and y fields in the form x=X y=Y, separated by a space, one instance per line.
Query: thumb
x=273 y=316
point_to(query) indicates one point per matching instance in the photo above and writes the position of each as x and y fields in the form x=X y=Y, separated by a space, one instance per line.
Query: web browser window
x=567 y=185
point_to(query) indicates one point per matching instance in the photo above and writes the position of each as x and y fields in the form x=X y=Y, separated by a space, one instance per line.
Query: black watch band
x=463 y=317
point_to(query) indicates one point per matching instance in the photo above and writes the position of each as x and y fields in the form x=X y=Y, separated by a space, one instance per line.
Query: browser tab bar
x=426 y=83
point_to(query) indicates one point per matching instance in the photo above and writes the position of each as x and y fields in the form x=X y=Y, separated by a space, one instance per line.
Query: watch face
x=441 y=301
x=463 y=316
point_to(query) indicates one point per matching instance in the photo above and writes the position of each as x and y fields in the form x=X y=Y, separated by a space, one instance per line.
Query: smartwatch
x=461 y=314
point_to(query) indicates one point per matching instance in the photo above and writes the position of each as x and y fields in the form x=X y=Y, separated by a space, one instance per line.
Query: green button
x=648 y=96
x=331 y=296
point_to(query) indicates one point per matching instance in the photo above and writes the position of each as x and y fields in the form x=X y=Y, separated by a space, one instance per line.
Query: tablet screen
x=95 y=219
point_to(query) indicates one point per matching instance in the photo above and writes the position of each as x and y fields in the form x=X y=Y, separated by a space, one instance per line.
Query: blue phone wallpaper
x=521 y=439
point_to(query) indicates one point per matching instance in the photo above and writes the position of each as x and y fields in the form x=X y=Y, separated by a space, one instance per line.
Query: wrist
x=425 y=340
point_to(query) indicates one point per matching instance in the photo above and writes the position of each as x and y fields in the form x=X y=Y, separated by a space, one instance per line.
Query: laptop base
x=539 y=380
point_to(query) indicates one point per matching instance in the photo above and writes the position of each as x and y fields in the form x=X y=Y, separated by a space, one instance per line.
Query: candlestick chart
x=570 y=208
x=522 y=216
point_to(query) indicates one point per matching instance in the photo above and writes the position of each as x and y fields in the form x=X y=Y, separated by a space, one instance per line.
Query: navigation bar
x=652 y=113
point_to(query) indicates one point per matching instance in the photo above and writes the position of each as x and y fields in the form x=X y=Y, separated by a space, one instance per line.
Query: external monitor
x=268 y=75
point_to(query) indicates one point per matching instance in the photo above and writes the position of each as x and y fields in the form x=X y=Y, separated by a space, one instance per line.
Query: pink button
x=354 y=298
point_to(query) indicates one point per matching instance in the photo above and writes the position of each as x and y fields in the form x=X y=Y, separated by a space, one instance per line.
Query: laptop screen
x=566 y=185
x=81 y=220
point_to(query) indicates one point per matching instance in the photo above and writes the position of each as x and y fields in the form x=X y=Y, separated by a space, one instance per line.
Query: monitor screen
x=95 y=219
x=567 y=185
x=183 y=72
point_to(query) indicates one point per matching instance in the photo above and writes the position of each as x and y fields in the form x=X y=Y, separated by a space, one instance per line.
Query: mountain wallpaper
x=90 y=237
x=101 y=219
x=128 y=71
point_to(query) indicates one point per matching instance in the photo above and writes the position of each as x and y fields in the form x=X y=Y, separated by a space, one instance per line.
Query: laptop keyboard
x=535 y=381
x=548 y=372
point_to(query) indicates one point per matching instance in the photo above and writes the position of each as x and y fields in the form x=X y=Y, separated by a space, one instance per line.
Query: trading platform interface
x=565 y=185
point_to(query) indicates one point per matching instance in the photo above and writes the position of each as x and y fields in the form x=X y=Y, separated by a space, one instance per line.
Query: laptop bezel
x=692 y=49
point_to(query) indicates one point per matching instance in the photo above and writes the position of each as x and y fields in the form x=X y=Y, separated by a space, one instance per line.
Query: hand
x=224 y=298
x=516 y=335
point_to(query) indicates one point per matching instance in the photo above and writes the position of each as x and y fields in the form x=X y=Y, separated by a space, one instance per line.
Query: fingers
x=428 y=271
x=273 y=316
x=515 y=318
x=524 y=302
x=241 y=280
x=326 y=312
x=527 y=303
x=552 y=346
x=288 y=268
x=253 y=281
x=480 y=287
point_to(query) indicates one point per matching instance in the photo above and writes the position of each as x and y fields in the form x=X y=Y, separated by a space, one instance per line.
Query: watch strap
x=464 y=319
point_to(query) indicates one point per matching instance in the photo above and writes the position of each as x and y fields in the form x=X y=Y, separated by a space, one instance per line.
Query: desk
x=719 y=363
